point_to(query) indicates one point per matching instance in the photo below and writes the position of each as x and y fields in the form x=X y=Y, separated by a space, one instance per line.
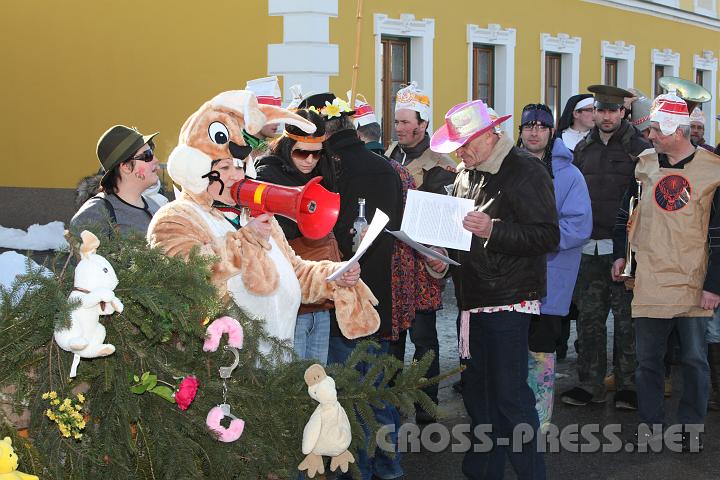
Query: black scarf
x=405 y=155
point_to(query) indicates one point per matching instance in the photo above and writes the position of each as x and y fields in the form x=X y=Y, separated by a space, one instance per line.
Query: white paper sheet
x=402 y=236
x=435 y=219
x=375 y=228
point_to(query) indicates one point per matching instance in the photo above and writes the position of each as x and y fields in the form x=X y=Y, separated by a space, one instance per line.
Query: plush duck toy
x=262 y=276
x=327 y=433
x=94 y=283
x=9 y=463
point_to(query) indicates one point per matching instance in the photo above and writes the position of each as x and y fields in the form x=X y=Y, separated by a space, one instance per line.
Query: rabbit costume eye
x=218 y=133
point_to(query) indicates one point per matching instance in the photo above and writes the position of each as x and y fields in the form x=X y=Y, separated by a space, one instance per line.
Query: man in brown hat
x=131 y=167
x=606 y=158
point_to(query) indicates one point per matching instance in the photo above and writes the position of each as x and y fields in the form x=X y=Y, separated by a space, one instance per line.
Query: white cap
x=670 y=112
x=266 y=89
x=412 y=98
x=698 y=116
x=364 y=113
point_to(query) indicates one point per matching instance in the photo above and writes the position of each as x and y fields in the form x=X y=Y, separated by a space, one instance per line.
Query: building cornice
x=662 y=11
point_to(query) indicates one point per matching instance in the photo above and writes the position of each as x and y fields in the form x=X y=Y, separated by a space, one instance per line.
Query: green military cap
x=608 y=97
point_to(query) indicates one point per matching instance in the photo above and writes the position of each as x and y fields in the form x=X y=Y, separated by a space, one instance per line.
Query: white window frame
x=712 y=12
x=504 y=41
x=569 y=49
x=625 y=56
x=668 y=3
x=666 y=58
x=707 y=62
x=421 y=34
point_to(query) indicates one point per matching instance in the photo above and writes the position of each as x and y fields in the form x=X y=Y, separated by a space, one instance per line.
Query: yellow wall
x=73 y=68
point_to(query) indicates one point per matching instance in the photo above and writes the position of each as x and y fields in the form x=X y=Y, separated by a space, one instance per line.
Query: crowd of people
x=558 y=208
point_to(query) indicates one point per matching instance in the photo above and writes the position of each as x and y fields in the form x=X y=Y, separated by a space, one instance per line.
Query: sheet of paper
x=376 y=227
x=402 y=236
x=435 y=219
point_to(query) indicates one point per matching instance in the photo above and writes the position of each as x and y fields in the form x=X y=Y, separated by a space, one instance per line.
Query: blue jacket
x=572 y=201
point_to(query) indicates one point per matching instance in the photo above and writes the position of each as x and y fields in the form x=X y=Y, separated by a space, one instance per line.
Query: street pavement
x=566 y=464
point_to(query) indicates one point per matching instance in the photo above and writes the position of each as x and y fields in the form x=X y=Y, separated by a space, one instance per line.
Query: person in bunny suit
x=256 y=267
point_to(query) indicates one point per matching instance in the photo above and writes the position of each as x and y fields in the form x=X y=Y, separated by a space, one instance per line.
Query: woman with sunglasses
x=131 y=167
x=295 y=158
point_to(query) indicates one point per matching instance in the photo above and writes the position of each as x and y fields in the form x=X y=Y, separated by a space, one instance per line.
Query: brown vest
x=670 y=235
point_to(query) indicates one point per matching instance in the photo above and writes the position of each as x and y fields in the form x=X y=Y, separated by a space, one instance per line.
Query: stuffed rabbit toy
x=95 y=280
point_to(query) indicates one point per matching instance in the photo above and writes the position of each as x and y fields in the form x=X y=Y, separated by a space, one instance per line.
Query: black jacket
x=608 y=170
x=364 y=174
x=512 y=266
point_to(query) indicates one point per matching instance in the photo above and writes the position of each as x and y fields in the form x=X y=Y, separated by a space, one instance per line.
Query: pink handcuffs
x=215 y=332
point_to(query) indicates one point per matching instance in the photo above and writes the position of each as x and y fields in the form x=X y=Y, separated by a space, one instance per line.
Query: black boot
x=714 y=362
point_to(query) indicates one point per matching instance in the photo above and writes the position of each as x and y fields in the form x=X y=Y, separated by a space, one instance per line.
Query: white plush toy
x=95 y=280
x=328 y=430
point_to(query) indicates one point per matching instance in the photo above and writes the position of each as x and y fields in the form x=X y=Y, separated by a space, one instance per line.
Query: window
x=611 y=72
x=395 y=74
x=484 y=74
x=659 y=72
x=553 y=75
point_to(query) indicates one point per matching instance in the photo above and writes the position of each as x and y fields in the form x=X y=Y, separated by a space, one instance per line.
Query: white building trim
x=708 y=63
x=669 y=3
x=625 y=55
x=662 y=11
x=669 y=59
x=421 y=34
x=569 y=49
x=504 y=69
x=306 y=56
x=706 y=7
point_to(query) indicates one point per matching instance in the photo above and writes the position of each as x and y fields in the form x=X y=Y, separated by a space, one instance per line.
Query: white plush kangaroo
x=95 y=280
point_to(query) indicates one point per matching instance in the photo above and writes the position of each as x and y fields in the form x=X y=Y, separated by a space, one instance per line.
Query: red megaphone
x=314 y=208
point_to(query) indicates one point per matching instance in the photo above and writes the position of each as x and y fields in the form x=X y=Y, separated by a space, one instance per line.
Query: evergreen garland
x=161 y=330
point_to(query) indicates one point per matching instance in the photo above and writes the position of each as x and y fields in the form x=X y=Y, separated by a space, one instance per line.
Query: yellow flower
x=341 y=104
x=52 y=395
x=67 y=402
x=62 y=407
x=78 y=436
x=81 y=424
x=78 y=407
x=45 y=395
x=331 y=110
x=313 y=109
x=80 y=397
x=55 y=402
x=50 y=414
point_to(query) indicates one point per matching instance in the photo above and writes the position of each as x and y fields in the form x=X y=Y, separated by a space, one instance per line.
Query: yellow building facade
x=72 y=69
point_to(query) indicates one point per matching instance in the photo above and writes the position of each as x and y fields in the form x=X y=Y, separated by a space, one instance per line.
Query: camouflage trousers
x=595 y=294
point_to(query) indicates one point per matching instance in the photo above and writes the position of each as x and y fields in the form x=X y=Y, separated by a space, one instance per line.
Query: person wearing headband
x=677 y=274
x=576 y=119
x=606 y=158
x=572 y=203
x=500 y=280
x=296 y=157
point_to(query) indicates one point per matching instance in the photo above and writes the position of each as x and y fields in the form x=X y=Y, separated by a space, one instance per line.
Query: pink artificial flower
x=186 y=392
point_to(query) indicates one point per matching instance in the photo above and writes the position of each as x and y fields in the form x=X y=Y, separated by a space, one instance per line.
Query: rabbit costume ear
x=90 y=243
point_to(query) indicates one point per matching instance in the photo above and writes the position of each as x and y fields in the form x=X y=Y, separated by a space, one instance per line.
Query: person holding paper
x=499 y=282
x=572 y=201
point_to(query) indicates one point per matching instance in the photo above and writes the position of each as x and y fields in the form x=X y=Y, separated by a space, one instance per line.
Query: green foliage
x=133 y=435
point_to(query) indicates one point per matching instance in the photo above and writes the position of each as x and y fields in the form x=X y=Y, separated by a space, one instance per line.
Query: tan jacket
x=427 y=161
x=670 y=235
x=178 y=227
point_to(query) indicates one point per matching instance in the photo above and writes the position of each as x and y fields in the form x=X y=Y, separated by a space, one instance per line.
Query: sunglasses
x=145 y=156
x=303 y=154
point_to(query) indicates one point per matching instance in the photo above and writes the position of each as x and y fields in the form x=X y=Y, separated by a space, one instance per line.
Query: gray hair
x=685 y=130
x=371 y=132
x=336 y=124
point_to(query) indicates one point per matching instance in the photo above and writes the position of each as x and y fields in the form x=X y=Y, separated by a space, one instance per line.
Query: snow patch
x=13 y=264
x=37 y=237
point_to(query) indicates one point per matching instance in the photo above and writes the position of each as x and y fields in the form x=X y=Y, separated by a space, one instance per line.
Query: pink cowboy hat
x=462 y=123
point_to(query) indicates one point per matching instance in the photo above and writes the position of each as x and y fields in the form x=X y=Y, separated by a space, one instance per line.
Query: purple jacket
x=572 y=201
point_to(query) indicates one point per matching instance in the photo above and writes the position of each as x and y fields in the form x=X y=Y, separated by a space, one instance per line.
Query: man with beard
x=606 y=158
x=697 y=129
x=432 y=171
